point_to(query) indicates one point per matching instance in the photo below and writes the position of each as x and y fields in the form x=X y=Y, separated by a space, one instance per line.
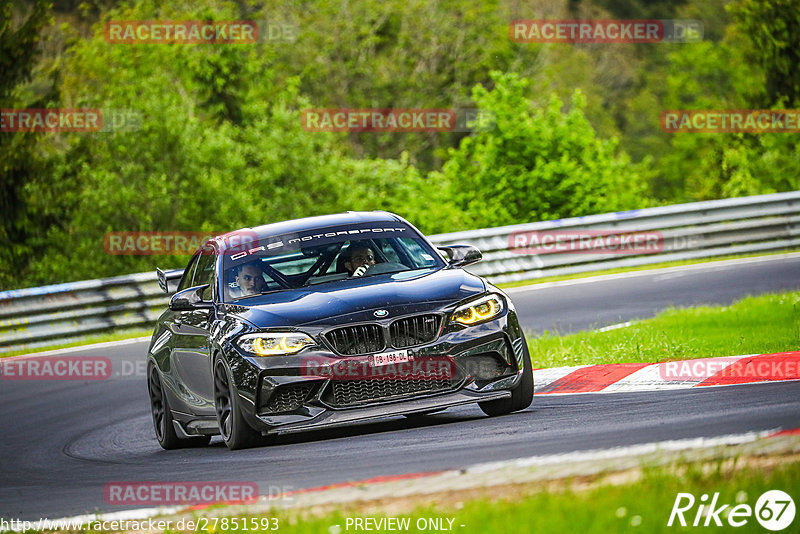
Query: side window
x=204 y=274
x=188 y=273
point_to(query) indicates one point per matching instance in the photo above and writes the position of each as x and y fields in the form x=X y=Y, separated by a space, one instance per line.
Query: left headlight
x=480 y=310
x=274 y=343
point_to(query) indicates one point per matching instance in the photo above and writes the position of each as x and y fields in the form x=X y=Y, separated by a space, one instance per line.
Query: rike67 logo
x=774 y=510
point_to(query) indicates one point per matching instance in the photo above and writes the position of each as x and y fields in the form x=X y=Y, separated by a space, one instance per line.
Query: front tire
x=162 y=416
x=235 y=431
x=521 y=396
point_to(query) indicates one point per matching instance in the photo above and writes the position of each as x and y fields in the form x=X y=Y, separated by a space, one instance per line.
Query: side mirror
x=190 y=299
x=461 y=255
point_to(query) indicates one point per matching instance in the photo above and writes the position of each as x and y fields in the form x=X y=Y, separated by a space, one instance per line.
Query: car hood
x=356 y=300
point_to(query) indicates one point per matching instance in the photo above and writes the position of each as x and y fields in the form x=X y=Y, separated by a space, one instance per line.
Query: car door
x=191 y=355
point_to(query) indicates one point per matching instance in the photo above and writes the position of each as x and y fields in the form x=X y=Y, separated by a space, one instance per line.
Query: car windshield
x=335 y=255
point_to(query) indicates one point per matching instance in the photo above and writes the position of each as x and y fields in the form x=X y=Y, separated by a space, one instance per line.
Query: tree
x=20 y=161
x=774 y=28
x=221 y=148
x=702 y=166
x=538 y=164
x=399 y=54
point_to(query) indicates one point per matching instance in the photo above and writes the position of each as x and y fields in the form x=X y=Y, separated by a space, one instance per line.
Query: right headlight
x=479 y=311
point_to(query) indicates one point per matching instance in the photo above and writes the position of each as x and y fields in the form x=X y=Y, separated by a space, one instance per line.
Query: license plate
x=389 y=358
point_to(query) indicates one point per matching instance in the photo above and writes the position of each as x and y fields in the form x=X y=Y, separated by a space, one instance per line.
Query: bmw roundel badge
x=380 y=313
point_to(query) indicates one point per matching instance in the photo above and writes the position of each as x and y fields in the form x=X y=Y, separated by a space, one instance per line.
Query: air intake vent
x=343 y=393
x=289 y=397
x=360 y=339
x=416 y=330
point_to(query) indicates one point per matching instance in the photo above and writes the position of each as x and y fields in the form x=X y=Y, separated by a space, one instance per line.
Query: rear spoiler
x=165 y=277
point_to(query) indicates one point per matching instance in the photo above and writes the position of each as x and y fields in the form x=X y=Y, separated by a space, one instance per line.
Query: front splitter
x=334 y=418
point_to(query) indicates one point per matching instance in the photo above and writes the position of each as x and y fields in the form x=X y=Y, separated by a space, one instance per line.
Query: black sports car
x=325 y=321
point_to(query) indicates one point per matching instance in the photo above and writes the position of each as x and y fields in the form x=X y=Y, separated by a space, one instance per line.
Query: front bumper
x=279 y=395
x=332 y=418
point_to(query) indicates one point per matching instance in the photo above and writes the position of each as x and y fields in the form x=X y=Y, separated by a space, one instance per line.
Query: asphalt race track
x=63 y=441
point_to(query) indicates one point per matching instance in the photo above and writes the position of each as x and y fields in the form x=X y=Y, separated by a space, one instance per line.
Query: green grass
x=754 y=325
x=100 y=338
x=640 y=268
x=643 y=505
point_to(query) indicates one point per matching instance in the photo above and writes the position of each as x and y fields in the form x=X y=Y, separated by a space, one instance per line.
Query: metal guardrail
x=690 y=231
x=61 y=313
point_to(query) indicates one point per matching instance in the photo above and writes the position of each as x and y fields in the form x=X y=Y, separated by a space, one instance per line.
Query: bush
x=538 y=164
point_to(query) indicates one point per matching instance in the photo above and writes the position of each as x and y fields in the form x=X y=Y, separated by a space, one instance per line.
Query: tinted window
x=188 y=273
x=204 y=273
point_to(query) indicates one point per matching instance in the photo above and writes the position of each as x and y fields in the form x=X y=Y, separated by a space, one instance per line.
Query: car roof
x=310 y=223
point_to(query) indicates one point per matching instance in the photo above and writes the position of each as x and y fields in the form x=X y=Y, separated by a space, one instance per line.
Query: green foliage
x=398 y=53
x=20 y=162
x=207 y=156
x=713 y=75
x=18 y=45
x=774 y=28
x=538 y=164
x=637 y=9
x=219 y=143
x=706 y=166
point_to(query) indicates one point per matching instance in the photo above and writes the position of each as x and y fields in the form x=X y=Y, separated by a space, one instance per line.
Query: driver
x=250 y=279
x=359 y=258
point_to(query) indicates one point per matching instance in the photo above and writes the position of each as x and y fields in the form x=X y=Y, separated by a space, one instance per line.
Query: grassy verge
x=100 y=338
x=754 y=325
x=640 y=268
x=641 y=503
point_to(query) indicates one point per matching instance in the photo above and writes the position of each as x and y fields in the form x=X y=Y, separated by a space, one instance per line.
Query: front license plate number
x=389 y=358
